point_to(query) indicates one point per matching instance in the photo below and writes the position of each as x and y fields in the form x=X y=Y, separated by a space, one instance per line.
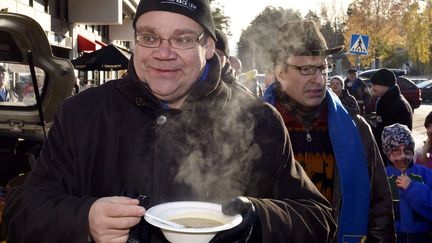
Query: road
x=419 y=131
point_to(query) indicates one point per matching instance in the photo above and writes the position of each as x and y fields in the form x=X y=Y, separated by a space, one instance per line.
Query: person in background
x=411 y=186
x=357 y=88
x=391 y=106
x=5 y=93
x=222 y=50
x=173 y=131
x=337 y=149
x=269 y=77
x=348 y=101
x=251 y=83
x=424 y=155
x=236 y=64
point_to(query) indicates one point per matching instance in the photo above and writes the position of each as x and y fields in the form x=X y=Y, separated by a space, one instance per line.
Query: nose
x=319 y=77
x=164 y=51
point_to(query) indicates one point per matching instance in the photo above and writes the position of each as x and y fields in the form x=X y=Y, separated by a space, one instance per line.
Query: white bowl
x=191 y=209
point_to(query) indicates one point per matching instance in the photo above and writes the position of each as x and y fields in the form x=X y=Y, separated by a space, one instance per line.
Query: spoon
x=164 y=221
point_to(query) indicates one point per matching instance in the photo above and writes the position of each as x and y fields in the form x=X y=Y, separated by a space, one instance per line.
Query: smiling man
x=172 y=130
x=336 y=149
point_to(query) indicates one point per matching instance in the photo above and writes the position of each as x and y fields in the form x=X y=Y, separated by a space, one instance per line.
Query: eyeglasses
x=311 y=70
x=181 y=42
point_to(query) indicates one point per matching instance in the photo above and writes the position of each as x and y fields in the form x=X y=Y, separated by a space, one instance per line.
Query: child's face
x=401 y=157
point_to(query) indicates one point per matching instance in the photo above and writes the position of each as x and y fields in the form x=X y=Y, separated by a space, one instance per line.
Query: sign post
x=359 y=46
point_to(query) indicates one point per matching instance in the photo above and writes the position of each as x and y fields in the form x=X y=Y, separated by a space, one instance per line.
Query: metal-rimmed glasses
x=311 y=70
x=181 y=42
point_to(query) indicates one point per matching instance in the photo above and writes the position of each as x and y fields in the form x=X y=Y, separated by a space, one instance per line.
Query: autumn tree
x=256 y=40
x=221 y=21
x=381 y=20
x=417 y=29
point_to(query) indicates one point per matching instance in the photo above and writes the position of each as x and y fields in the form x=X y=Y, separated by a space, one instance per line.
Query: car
x=426 y=90
x=37 y=83
x=408 y=88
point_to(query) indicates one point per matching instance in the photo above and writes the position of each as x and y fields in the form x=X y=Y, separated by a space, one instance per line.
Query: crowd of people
x=297 y=161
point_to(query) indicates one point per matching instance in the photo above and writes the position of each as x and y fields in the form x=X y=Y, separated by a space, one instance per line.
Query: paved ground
x=419 y=130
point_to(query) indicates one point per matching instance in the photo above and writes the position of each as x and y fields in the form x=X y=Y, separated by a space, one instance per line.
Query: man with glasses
x=173 y=131
x=336 y=149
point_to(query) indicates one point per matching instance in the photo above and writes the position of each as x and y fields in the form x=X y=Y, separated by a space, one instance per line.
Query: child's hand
x=403 y=181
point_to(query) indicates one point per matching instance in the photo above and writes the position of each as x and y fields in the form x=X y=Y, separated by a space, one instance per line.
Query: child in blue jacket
x=411 y=186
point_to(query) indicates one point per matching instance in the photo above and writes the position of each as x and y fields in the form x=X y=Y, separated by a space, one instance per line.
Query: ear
x=279 y=72
x=210 y=48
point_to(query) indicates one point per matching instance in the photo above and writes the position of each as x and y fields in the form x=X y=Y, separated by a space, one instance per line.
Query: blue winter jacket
x=413 y=206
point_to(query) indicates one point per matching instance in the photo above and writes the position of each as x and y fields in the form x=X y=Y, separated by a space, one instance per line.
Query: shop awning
x=85 y=44
x=107 y=58
x=101 y=43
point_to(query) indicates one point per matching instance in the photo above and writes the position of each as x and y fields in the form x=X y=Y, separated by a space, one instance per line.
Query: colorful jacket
x=365 y=202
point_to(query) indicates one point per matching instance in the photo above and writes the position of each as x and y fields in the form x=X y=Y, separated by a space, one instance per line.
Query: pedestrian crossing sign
x=359 y=44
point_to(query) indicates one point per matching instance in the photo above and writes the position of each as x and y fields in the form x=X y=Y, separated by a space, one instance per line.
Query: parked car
x=426 y=90
x=408 y=88
x=38 y=83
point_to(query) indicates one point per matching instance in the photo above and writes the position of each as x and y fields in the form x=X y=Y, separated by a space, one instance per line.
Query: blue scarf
x=352 y=167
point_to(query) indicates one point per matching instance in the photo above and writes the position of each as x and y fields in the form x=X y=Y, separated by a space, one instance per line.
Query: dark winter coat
x=391 y=108
x=224 y=142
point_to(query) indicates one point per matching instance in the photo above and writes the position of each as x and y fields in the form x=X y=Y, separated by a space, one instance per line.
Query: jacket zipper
x=308 y=136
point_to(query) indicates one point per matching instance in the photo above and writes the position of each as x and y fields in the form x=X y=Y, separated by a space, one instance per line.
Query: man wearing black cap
x=222 y=50
x=173 y=131
x=357 y=88
x=336 y=148
x=391 y=106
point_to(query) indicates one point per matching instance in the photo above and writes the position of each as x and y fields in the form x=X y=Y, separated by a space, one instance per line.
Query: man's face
x=235 y=63
x=352 y=75
x=169 y=72
x=222 y=57
x=401 y=157
x=308 y=90
x=379 y=90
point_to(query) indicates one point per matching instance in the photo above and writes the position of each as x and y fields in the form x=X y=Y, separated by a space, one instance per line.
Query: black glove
x=249 y=230
x=139 y=233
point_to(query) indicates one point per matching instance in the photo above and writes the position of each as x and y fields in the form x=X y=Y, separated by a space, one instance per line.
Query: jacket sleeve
x=293 y=209
x=44 y=208
x=381 y=217
x=419 y=195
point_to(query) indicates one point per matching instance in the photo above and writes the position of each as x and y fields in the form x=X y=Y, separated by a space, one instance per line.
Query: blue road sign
x=359 y=44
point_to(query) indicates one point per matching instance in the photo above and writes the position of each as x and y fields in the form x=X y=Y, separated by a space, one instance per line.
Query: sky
x=242 y=12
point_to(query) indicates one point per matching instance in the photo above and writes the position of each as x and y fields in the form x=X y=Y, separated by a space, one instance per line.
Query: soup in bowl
x=198 y=222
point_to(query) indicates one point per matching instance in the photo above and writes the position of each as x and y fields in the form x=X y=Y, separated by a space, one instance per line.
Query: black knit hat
x=198 y=10
x=384 y=77
x=222 y=42
x=352 y=70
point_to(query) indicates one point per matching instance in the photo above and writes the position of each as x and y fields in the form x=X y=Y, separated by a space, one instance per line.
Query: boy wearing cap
x=174 y=131
x=336 y=148
x=411 y=186
x=391 y=106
